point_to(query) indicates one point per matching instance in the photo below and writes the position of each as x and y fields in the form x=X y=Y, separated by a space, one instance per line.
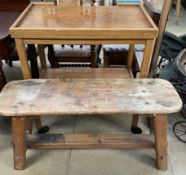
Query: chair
x=74 y=55
x=10 y=10
x=3 y=51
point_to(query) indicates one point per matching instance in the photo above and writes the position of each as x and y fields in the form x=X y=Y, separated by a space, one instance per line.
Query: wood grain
x=161 y=26
x=19 y=142
x=146 y=59
x=67 y=2
x=88 y=96
x=160 y=123
x=98 y=140
x=23 y=59
x=42 y=57
x=74 y=73
x=50 y=21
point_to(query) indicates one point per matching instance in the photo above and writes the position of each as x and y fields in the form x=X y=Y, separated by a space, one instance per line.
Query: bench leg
x=160 y=126
x=19 y=126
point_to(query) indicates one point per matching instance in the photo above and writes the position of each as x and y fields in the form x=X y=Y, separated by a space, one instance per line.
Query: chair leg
x=105 y=59
x=98 y=59
x=93 y=56
x=134 y=128
x=32 y=55
x=51 y=57
x=2 y=76
x=160 y=126
x=19 y=142
x=41 y=52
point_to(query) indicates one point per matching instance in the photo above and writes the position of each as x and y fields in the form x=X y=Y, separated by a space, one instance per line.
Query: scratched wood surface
x=49 y=21
x=88 y=96
x=68 y=2
x=101 y=73
x=96 y=140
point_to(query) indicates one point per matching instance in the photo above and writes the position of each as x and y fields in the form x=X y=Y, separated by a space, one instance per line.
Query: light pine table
x=45 y=23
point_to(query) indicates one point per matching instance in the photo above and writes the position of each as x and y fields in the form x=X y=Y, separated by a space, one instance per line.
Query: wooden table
x=45 y=23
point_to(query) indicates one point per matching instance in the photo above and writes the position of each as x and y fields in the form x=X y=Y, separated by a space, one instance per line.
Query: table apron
x=84 y=41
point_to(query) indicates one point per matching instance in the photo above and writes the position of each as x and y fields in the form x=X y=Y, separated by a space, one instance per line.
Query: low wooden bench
x=25 y=98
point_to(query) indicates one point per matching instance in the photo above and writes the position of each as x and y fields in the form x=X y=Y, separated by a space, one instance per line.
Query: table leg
x=23 y=59
x=42 y=56
x=19 y=125
x=51 y=57
x=2 y=76
x=146 y=59
x=146 y=62
x=130 y=55
x=93 y=56
x=160 y=126
x=143 y=74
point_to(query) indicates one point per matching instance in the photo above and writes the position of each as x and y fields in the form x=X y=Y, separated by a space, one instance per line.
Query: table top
x=88 y=96
x=45 y=20
x=7 y=18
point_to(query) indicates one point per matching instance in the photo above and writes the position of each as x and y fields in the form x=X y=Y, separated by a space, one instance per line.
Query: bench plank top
x=88 y=96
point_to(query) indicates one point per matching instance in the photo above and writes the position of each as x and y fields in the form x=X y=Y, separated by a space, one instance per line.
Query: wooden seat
x=116 y=57
x=137 y=96
x=22 y=99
